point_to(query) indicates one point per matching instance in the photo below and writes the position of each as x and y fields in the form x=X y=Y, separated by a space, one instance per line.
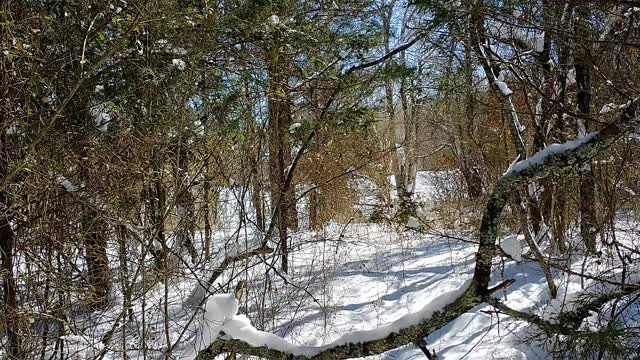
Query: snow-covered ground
x=345 y=278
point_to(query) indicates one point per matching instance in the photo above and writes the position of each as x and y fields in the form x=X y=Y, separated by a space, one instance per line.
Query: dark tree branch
x=537 y=167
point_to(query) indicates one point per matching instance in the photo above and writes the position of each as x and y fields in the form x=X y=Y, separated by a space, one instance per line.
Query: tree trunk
x=256 y=194
x=395 y=144
x=256 y=198
x=155 y=201
x=471 y=176
x=408 y=167
x=582 y=64
x=282 y=197
x=98 y=272
x=529 y=212
x=558 y=216
x=10 y=305
x=122 y=236
x=185 y=208
x=206 y=189
x=314 y=210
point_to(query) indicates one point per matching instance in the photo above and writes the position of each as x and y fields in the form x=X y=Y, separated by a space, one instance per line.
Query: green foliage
x=614 y=342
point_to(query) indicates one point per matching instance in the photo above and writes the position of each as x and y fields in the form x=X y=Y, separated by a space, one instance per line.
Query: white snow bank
x=512 y=246
x=220 y=316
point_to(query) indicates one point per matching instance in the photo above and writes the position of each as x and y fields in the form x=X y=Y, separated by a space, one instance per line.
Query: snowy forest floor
x=342 y=279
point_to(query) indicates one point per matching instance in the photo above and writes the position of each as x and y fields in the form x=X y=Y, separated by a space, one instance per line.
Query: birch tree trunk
x=396 y=145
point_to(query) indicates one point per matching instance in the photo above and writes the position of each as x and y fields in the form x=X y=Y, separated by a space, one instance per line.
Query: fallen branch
x=360 y=343
x=546 y=326
x=402 y=337
x=568 y=322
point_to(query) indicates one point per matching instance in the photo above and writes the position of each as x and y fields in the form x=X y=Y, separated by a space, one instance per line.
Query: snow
x=507 y=33
x=82 y=347
x=512 y=246
x=571 y=77
x=103 y=120
x=369 y=280
x=294 y=126
x=412 y=222
x=219 y=310
x=179 y=64
x=611 y=107
x=12 y=129
x=539 y=43
x=239 y=327
x=504 y=88
x=67 y=184
x=549 y=150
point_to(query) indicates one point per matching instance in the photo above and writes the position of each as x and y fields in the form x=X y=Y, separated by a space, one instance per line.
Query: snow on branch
x=548 y=151
x=509 y=33
x=199 y=293
x=553 y=159
x=410 y=328
x=570 y=153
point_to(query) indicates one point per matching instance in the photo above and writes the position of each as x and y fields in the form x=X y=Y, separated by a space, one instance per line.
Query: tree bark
x=206 y=189
x=396 y=145
x=471 y=176
x=529 y=212
x=314 y=210
x=98 y=272
x=10 y=304
x=282 y=196
x=256 y=194
x=582 y=64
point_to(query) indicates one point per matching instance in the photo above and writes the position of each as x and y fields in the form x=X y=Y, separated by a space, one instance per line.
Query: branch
x=568 y=322
x=360 y=343
x=342 y=348
x=554 y=158
x=384 y=58
x=198 y=295
x=575 y=316
x=546 y=326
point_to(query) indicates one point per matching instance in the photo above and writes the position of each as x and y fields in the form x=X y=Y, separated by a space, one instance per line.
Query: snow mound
x=512 y=246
